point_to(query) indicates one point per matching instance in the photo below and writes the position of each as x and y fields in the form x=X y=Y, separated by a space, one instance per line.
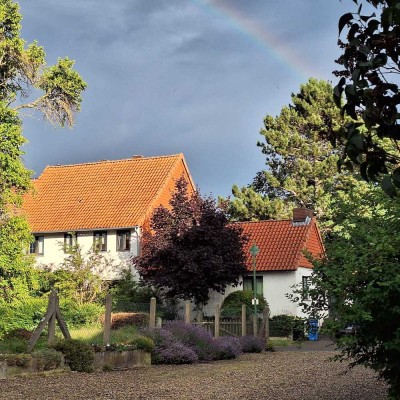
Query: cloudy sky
x=171 y=76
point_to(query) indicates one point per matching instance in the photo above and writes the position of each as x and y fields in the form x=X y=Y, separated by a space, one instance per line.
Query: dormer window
x=100 y=240
x=37 y=246
x=123 y=240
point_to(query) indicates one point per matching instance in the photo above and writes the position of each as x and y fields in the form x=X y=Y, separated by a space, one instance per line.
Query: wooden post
x=152 y=322
x=53 y=304
x=266 y=316
x=107 y=320
x=244 y=320
x=187 y=312
x=254 y=325
x=217 y=321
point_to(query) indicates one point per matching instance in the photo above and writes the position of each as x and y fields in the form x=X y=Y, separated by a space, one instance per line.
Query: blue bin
x=313 y=329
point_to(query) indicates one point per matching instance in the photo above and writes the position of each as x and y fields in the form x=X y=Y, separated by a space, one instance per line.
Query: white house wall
x=276 y=284
x=54 y=254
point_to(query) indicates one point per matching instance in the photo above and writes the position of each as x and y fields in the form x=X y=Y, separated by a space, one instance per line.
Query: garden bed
x=121 y=360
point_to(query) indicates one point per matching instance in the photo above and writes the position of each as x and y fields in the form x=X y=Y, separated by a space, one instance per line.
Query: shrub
x=19 y=360
x=252 y=344
x=47 y=359
x=176 y=353
x=76 y=314
x=232 y=304
x=144 y=343
x=228 y=347
x=195 y=337
x=121 y=319
x=79 y=356
x=281 y=325
x=167 y=349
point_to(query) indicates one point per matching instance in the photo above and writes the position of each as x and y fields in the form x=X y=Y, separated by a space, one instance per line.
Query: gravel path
x=278 y=376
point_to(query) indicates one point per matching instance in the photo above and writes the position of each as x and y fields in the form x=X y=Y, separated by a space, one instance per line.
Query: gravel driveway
x=278 y=376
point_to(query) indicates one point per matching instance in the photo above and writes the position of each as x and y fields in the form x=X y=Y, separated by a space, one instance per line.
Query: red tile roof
x=281 y=244
x=104 y=194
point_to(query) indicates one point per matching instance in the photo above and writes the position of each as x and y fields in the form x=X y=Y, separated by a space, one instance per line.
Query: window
x=100 y=240
x=37 y=246
x=306 y=282
x=248 y=284
x=123 y=240
x=69 y=241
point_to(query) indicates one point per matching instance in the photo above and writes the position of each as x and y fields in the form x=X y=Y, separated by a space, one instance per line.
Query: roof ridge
x=263 y=220
x=112 y=161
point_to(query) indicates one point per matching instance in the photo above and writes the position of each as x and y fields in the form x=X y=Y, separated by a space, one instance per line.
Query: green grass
x=281 y=342
x=88 y=334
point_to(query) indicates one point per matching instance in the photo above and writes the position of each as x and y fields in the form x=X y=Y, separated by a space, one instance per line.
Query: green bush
x=281 y=325
x=79 y=356
x=47 y=359
x=232 y=304
x=19 y=360
x=76 y=314
x=143 y=343
x=22 y=314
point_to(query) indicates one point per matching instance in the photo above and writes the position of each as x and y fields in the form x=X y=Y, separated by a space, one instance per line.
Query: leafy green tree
x=192 y=249
x=23 y=68
x=80 y=277
x=358 y=283
x=369 y=80
x=301 y=168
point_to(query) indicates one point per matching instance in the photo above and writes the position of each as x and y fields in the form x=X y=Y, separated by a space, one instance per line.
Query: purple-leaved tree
x=191 y=248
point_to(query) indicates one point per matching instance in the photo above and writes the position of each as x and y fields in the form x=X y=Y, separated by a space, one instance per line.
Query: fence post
x=244 y=320
x=217 y=320
x=107 y=320
x=255 y=325
x=266 y=326
x=52 y=321
x=187 y=311
x=152 y=322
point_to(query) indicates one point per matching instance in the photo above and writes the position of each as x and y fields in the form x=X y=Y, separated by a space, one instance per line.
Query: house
x=106 y=203
x=281 y=262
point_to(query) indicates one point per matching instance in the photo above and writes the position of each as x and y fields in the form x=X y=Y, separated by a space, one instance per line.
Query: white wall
x=54 y=254
x=276 y=284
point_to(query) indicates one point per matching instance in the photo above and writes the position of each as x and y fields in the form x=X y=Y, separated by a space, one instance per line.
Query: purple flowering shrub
x=167 y=349
x=229 y=347
x=252 y=344
x=196 y=338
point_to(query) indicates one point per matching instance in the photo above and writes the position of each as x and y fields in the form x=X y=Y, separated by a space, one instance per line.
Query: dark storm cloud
x=169 y=76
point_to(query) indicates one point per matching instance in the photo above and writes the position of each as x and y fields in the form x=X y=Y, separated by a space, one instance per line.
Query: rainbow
x=257 y=33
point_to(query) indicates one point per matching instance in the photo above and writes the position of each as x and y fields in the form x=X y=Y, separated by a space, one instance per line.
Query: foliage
x=252 y=344
x=19 y=360
x=79 y=356
x=168 y=350
x=195 y=337
x=232 y=304
x=121 y=319
x=369 y=79
x=282 y=325
x=47 y=359
x=301 y=165
x=191 y=248
x=76 y=314
x=228 y=347
x=19 y=314
x=24 y=73
x=358 y=283
x=81 y=275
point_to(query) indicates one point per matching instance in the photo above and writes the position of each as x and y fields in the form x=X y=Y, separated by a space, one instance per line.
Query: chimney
x=137 y=156
x=302 y=215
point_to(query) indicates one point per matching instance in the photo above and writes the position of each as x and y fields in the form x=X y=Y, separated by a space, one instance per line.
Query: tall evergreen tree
x=301 y=168
x=23 y=68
